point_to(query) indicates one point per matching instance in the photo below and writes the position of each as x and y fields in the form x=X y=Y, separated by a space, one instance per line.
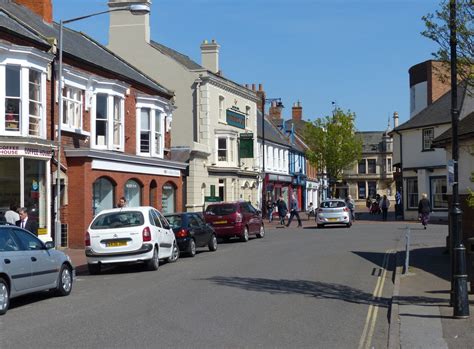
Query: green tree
x=333 y=143
x=437 y=29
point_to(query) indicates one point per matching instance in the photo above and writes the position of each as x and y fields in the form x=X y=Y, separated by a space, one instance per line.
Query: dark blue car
x=192 y=231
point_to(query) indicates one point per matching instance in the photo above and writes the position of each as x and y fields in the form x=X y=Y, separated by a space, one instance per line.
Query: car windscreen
x=175 y=221
x=118 y=220
x=221 y=210
x=332 y=204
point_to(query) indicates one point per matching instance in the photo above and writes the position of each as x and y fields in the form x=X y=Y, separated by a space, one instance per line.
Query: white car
x=130 y=234
x=333 y=211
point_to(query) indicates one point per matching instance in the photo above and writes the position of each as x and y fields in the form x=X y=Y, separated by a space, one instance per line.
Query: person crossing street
x=294 y=211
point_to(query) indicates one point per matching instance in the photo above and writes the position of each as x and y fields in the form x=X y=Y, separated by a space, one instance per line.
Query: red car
x=235 y=219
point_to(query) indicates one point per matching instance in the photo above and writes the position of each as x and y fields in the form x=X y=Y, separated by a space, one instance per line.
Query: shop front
x=24 y=181
x=312 y=193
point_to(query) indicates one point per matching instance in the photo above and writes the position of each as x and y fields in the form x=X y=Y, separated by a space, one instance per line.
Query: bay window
x=150 y=132
x=226 y=149
x=72 y=107
x=222 y=149
x=108 y=123
x=12 y=98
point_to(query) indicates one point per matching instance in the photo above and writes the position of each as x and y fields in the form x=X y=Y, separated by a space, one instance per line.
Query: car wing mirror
x=49 y=245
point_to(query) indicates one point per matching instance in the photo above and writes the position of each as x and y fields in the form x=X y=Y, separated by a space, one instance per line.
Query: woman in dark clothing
x=424 y=209
x=282 y=210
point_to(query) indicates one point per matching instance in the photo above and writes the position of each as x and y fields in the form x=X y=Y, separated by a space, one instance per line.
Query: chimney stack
x=127 y=27
x=42 y=8
x=275 y=113
x=261 y=96
x=297 y=111
x=395 y=120
x=210 y=55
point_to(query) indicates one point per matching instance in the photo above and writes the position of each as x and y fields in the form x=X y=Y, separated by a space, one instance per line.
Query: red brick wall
x=43 y=8
x=437 y=88
x=81 y=178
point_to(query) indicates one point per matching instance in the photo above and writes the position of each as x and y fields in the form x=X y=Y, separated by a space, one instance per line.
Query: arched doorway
x=102 y=195
x=153 y=193
x=168 y=198
x=133 y=193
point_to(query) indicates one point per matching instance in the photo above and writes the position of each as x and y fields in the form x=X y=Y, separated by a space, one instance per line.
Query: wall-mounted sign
x=235 y=118
x=21 y=150
x=212 y=199
x=246 y=145
x=450 y=172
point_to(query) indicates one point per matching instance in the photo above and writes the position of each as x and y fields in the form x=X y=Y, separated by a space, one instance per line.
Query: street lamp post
x=461 y=301
x=136 y=9
x=280 y=106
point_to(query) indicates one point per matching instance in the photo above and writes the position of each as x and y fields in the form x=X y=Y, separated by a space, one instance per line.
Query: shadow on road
x=315 y=289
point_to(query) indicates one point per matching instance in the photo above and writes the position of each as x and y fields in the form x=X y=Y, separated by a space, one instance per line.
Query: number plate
x=116 y=243
x=220 y=222
x=332 y=219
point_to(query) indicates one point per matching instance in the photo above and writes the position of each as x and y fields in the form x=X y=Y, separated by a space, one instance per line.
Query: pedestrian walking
x=368 y=203
x=282 y=210
x=385 y=203
x=294 y=211
x=351 y=206
x=270 y=206
x=424 y=209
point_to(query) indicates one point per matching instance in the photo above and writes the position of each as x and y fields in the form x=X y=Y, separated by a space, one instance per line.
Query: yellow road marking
x=371 y=318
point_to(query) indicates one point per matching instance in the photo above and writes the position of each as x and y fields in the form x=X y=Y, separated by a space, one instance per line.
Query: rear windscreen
x=221 y=210
x=175 y=221
x=332 y=204
x=118 y=220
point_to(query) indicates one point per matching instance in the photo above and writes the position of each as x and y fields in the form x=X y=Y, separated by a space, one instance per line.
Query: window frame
x=416 y=198
x=109 y=120
x=432 y=193
x=368 y=166
x=426 y=138
x=67 y=100
x=231 y=148
x=156 y=130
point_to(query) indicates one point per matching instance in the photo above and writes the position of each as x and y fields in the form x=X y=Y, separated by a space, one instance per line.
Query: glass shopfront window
x=33 y=196
x=168 y=199
x=133 y=193
x=103 y=195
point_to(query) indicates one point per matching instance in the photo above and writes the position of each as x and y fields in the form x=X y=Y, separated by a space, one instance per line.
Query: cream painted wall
x=413 y=156
x=465 y=167
x=418 y=98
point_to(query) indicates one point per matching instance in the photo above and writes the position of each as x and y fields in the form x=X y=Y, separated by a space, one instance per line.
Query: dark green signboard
x=246 y=145
x=212 y=199
x=236 y=119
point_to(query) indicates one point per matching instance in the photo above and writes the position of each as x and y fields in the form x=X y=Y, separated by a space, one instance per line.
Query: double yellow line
x=370 y=321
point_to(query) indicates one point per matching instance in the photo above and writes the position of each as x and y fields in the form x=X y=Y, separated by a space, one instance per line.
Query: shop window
x=438 y=193
x=36 y=190
x=412 y=193
x=10 y=183
x=133 y=193
x=168 y=201
x=72 y=107
x=102 y=195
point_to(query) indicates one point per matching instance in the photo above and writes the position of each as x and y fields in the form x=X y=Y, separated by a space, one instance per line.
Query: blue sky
x=353 y=52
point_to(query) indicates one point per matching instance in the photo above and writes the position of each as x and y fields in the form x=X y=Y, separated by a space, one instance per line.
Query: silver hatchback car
x=28 y=265
x=333 y=211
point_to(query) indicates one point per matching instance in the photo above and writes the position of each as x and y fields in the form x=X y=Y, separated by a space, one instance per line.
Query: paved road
x=296 y=288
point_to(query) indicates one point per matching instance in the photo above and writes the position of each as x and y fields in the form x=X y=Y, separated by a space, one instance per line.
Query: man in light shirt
x=12 y=216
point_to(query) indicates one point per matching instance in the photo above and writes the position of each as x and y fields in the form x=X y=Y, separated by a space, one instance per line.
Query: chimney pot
x=260 y=87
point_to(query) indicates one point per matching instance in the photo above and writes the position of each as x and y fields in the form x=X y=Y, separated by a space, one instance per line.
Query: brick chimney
x=297 y=111
x=260 y=95
x=42 y=8
x=210 y=55
x=275 y=113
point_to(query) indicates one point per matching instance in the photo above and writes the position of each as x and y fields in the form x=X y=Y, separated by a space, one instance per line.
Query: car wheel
x=320 y=226
x=64 y=287
x=4 y=296
x=245 y=235
x=212 y=243
x=348 y=225
x=174 y=253
x=191 y=248
x=261 y=234
x=154 y=262
x=94 y=269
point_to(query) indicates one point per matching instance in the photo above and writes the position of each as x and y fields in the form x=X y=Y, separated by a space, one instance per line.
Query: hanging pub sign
x=246 y=145
x=235 y=118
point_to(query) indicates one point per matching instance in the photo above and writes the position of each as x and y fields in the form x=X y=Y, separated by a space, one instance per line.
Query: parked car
x=333 y=211
x=192 y=231
x=28 y=265
x=235 y=219
x=127 y=235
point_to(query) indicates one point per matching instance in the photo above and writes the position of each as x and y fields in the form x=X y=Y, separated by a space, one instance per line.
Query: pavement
x=420 y=314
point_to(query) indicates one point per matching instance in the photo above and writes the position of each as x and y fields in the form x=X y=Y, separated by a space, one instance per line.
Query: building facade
x=215 y=123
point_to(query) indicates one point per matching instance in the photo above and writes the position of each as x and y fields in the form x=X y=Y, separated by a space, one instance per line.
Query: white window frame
x=109 y=140
x=231 y=148
x=70 y=94
x=26 y=58
x=427 y=139
x=415 y=194
x=157 y=118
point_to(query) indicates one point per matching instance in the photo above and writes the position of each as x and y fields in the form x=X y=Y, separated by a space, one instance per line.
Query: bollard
x=407 y=249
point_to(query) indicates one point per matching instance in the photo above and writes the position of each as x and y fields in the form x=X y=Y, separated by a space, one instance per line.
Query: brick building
x=115 y=127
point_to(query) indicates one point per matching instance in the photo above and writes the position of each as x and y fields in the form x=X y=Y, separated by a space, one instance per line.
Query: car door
x=248 y=216
x=169 y=235
x=14 y=260
x=207 y=231
x=256 y=218
x=44 y=268
x=198 y=230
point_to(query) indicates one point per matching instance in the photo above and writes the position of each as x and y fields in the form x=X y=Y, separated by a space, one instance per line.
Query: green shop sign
x=246 y=145
x=235 y=118
x=212 y=199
